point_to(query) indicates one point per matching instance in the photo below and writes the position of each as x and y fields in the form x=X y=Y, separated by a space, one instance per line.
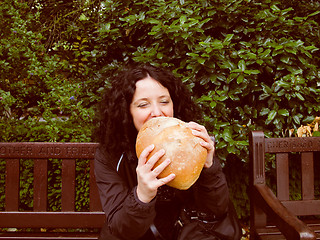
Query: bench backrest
x=305 y=147
x=41 y=152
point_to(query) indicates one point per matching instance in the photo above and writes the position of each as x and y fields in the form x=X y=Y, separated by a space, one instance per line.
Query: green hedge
x=250 y=65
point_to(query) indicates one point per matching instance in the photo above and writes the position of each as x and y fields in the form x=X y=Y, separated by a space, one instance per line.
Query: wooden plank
x=68 y=185
x=282 y=168
x=40 y=150
x=95 y=204
x=307 y=172
x=52 y=219
x=50 y=235
x=40 y=185
x=272 y=232
x=292 y=144
x=12 y=185
x=257 y=176
x=303 y=208
x=257 y=158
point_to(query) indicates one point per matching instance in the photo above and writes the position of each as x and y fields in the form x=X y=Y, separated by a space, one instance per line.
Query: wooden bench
x=84 y=225
x=279 y=216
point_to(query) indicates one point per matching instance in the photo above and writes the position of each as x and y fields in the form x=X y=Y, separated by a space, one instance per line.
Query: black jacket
x=129 y=218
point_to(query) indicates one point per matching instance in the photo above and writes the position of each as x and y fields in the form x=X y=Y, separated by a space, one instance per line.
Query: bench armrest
x=288 y=224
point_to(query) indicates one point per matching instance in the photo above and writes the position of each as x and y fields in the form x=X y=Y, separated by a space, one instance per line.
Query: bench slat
x=51 y=219
x=307 y=175
x=272 y=232
x=95 y=204
x=50 y=235
x=12 y=185
x=303 y=207
x=292 y=144
x=40 y=185
x=68 y=185
x=282 y=176
x=36 y=150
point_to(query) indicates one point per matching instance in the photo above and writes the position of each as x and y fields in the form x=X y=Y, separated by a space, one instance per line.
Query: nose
x=156 y=111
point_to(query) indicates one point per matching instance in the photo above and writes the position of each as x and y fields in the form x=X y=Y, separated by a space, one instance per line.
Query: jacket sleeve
x=126 y=216
x=212 y=190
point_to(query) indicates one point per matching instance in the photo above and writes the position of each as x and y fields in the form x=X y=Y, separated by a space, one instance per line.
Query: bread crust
x=182 y=148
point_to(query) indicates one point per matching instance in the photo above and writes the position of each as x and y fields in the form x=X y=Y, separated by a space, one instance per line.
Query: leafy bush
x=250 y=65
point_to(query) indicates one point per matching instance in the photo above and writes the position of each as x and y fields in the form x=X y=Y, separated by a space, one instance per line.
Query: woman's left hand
x=201 y=132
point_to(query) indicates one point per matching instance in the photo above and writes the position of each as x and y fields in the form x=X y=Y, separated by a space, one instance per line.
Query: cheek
x=169 y=111
x=139 y=118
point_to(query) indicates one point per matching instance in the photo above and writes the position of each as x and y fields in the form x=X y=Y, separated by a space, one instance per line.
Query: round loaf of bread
x=181 y=147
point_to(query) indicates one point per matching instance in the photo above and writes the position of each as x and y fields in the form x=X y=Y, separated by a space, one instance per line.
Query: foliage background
x=250 y=65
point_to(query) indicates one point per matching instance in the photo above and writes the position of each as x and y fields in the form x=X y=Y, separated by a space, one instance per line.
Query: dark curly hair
x=116 y=132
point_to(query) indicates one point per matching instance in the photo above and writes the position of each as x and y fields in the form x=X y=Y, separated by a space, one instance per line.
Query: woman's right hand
x=148 y=181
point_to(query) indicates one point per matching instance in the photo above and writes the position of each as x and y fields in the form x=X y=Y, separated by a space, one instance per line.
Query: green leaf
x=265 y=53
x=220 y=98
x=213 y=104
x=249 y=72
x=242 y=143
x=264 y=111
x=275 y=8
x=296 y=119
x=313 y=14
x=183 y=19
x=272 y=114
x=228 y=38
x=154 y=21
x=191 y=54
x=240 y=79
x=217 y=44
x=316 y=134
x=227 y=136
x=300 y=96
x=204 y=98
x=291 y=50
x=283 y=112
x=201 y=60
x=285 y=59
x=242 y=65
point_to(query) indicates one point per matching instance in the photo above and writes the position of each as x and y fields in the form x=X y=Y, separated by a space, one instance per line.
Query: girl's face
x=150 y=100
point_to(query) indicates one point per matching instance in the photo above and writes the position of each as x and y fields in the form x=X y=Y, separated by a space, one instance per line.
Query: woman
x=137 y=204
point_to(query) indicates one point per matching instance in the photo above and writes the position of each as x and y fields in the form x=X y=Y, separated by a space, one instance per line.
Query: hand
x=201 y=132
x=148 y=183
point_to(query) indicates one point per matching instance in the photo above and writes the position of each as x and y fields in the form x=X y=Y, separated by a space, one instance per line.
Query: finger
x=165 y=180
x=161 y=167
x=201 y=132
x=155 y=157
x=208 y=146
x=203 y=135
x=207 y=141
x=196 y=126
x=144 y=154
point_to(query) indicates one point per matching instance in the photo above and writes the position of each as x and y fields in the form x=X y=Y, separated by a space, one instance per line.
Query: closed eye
x=142 y=105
